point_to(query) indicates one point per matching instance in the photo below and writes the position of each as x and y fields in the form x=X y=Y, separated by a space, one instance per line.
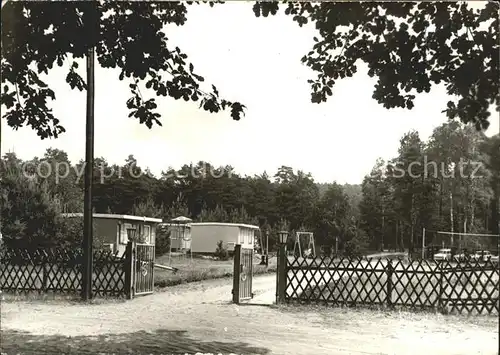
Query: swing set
x=304 y=245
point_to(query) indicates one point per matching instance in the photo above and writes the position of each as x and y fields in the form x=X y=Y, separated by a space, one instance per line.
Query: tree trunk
x=495 y=214
x=412 y=222
x=397 y=236
x=401 y=236
x=472 y=203
x=487 y=215
x=441 y=200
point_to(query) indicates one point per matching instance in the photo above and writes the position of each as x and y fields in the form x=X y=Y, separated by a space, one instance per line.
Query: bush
x=357 y=246
x=162 y=242
x=28 y=215
x=221 y=251
x=70 y=232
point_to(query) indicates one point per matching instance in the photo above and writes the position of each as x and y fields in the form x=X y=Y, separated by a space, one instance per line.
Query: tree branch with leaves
x=128 y=36
x=409 y=47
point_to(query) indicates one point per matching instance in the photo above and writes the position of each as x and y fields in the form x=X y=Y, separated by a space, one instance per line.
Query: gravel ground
x=199 y=318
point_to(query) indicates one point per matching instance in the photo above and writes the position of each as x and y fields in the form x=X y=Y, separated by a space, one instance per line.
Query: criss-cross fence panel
x=109 y=273
x=58 y=270
x=418 y=284
x=336 y=281
x=40 y=270
x=470 y=287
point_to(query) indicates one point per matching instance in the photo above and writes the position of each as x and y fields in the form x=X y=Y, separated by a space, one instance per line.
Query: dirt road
x=200 y=318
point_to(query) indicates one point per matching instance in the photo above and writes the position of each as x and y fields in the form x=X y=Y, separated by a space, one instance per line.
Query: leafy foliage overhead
x=409 y=47
x=129 y=36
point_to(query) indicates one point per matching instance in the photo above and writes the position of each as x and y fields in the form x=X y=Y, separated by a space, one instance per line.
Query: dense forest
x=450 y=183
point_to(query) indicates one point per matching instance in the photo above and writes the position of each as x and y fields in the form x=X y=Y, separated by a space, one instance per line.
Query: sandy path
x=199 y=317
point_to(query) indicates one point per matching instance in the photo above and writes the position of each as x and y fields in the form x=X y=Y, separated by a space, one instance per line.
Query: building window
x=247 y=236
x=241 y=238
x=124 y=232
x=146 y=234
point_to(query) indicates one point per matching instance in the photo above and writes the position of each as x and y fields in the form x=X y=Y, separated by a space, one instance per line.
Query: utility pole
x=1 y=237
x=3 y=2
x=87 y=263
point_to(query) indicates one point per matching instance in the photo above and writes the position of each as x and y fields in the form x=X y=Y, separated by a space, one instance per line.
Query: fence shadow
x=162 y=341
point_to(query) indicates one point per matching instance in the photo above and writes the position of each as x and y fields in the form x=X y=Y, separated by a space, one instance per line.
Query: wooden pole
x=169 y=268
x=277 y=278
x=261 y=243
x=1 y=237
x=170 y=244
x=282 y=274
x=390 y=271
x=236 y=273
x=129 y=271
x=3 y=2
x=89 y=172
x=383 y=227
x=267 y=248
x=301 y=254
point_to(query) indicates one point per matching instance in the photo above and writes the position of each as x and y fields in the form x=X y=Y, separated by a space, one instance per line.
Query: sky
x=255 y=61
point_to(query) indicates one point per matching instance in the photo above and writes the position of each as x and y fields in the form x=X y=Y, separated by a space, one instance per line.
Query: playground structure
x=305 y=246
x=264 y=248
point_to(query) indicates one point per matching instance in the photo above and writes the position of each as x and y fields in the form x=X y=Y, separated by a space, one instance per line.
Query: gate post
x=389 y=283
x=45 y=277
x=441 y=287
x=129 y=271
x=236 y=273
x=281 y=273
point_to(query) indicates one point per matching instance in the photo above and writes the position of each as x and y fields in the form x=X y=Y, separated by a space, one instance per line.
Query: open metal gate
x=243 y=274
x=144 y=267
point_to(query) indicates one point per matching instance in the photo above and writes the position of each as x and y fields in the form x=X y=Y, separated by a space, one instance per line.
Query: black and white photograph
x=249 y=177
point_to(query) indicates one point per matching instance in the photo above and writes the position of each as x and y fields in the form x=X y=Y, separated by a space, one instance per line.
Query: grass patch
x=200 y=269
